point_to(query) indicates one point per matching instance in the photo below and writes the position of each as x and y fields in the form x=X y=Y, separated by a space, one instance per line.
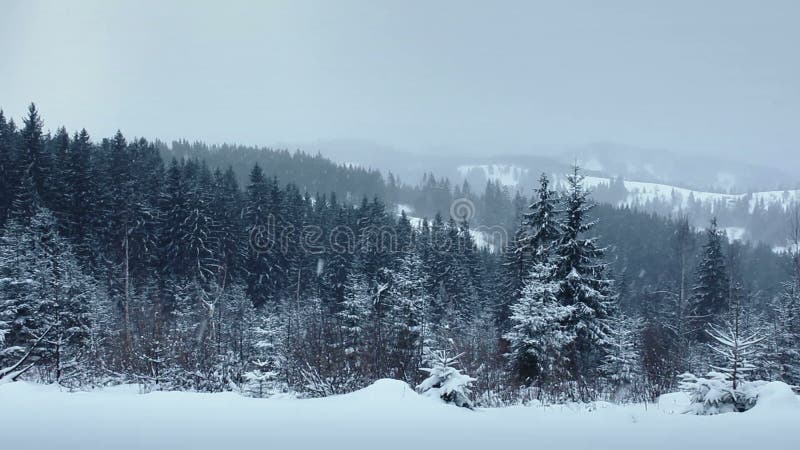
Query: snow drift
x=387 y=415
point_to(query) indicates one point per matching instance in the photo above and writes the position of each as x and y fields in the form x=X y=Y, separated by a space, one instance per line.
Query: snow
x=402 y=208
x=788 y=248
x=386 y=415
x=640 y=193
x=507 y=175
x=481 y=238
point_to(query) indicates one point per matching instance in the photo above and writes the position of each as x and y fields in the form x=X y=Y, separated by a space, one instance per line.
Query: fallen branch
x=14 y=372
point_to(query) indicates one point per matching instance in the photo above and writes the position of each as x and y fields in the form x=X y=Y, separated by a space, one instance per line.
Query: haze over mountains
x=519 y=169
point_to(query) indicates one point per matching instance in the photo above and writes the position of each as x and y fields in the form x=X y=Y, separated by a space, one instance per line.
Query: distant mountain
x=694 y=171
x=520 y=171
x=750 y=201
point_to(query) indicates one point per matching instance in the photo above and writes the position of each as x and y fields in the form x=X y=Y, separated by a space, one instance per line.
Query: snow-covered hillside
x=386 y=415
x=640 y=193
x=482 y=239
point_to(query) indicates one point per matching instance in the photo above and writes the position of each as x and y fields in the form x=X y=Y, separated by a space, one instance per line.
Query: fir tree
x=44 y=290
x=409 y=303
x=445 y=381
x=540 y=333
x=33 y=159
x=8 y=168
x=583 y=285
x=710 y=292
x=622 y=366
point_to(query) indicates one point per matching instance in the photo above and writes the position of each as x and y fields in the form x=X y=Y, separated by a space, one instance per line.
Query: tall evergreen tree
x=33 y=159
x=8 y=167
x=711 y=289
x=540 y=330
x=583 y=284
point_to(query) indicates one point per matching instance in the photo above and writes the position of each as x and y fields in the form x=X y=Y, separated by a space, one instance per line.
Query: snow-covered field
x=640 y=193
x=386 y=415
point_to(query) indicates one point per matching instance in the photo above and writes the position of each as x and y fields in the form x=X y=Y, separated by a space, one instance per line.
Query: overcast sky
x=721 y=77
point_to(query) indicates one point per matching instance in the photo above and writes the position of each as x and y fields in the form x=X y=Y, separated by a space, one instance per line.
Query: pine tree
x=33 y=159
x=353 y=317
x=533 y=242
x=710 y=292
x=541 y=223
x=260 y=268
x=786 y=334
x=622 y=366
x=583 y=284
x=409 y=302
x=726 y=387
x=540 y=333
x=445 y=381
x=8 y=167
x=46 y=292
x=736 y=345
x=78 y=192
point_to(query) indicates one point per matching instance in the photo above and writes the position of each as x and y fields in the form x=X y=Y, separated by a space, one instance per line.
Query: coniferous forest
x=189 y=267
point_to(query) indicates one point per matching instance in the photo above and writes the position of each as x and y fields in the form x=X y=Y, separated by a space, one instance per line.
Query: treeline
x=759 y=221
x=116 y=267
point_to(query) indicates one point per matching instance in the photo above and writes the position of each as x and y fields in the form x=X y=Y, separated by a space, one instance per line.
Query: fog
x=715 y=77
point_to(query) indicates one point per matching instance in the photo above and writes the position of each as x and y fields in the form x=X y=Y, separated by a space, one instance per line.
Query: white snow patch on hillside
x=387 y=415
x=401 y=208
x=507 y=175
x=788 y=248
x=641 y=193
x=482 y=240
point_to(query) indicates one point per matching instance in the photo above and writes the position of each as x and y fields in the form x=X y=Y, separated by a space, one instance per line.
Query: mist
x=717 y=77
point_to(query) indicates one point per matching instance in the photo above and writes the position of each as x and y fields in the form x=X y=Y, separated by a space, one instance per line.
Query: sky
x=712 y=76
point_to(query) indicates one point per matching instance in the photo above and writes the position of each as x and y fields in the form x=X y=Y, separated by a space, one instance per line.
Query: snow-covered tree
x=711 y=290
x=42 y=287
x=353 y=315
x=533 y=242
x=736 y=348
x=622 y=366
x=445 y=381
x=785 y=335
x=713 y=394
x=409 y=301
x=539 y=333
x=726 y=387
x=583 y=283
x=264 y=377
x=542 y=222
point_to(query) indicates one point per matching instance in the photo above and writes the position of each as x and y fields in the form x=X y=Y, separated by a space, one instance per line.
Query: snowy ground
x=387 y=415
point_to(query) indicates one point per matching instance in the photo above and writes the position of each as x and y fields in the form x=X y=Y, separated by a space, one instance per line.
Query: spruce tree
x=542 y=222
x=78 y=193
x=409 y=302
x=540 y=330
x=8 y=167
x=259 y=268
x=710 y=292
x=533 y=242
x=583 y=284
x=33 y=159
x=45 y=291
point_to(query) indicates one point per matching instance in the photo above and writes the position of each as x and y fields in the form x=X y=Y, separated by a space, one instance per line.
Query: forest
x=230 y=268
